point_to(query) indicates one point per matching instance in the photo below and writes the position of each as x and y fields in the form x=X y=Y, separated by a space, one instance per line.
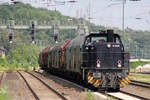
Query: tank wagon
x=98 y=59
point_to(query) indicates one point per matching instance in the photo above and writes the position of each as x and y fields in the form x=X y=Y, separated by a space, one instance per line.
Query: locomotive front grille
x=109 y=57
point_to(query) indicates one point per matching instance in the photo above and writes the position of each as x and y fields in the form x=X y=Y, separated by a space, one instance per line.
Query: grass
x=111 y=98
x=4 y=93
x=140 y=77
x=138 y=63
x=45 y=74
x=11 y=68
x=89 y=96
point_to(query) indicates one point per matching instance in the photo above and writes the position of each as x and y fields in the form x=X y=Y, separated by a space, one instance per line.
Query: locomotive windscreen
x=101 y=38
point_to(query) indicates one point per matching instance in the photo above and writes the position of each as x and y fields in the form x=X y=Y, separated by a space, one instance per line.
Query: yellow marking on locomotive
x=90 y=79
x=92 y=82
x=96 y=84
x=122 y=83
x=125 y=81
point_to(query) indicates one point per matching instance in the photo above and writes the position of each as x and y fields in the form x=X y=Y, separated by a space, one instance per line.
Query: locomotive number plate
x=96 y=75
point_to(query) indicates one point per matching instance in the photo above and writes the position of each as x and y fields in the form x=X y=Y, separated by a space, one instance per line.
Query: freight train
x=98 y=59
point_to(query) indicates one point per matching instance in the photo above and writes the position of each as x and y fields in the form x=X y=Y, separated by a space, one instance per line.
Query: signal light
x=10 y=38
x=32 y=28
x=32 y=37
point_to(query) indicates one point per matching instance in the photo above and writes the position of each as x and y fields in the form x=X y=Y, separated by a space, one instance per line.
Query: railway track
x=140 y=84
x=117 y=95
x=79 y=87
x=39 y=89
x=140 y=72
x=136 y=96
x=122 y=96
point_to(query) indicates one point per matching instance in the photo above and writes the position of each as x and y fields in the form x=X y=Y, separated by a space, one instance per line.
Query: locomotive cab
x=104 y=59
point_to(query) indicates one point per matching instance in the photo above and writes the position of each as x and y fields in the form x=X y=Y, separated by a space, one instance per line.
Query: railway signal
x=56 y=38
x=32 y=32
x=14 y=1
x=56 y=33
x=10 y=2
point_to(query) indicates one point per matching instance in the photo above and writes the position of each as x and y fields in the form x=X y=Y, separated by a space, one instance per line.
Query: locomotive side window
x=117 y=40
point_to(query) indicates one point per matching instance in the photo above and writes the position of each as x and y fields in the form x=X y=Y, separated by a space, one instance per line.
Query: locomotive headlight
x=119 y=63
x=98 y=64
x=86 y=48
x=92 y=48
x=108 y=45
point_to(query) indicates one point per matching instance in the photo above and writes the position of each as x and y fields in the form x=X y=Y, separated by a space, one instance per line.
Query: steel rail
x=66 y=81
x=34 y=94
x=140 y=84
x=1 y=78
x=136 y=96
x=58 y=94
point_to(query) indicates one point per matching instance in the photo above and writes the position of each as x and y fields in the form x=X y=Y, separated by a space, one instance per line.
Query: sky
x=105 y=12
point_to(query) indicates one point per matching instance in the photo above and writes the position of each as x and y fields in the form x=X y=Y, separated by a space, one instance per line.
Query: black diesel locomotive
x=98 y=59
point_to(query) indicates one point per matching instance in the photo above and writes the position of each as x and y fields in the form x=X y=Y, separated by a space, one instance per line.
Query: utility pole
x=123 y=13
x=89 y=11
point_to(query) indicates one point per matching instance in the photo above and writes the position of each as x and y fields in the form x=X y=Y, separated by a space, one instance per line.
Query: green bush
x=22 y=57
x=3 y=62
x=137 y=63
